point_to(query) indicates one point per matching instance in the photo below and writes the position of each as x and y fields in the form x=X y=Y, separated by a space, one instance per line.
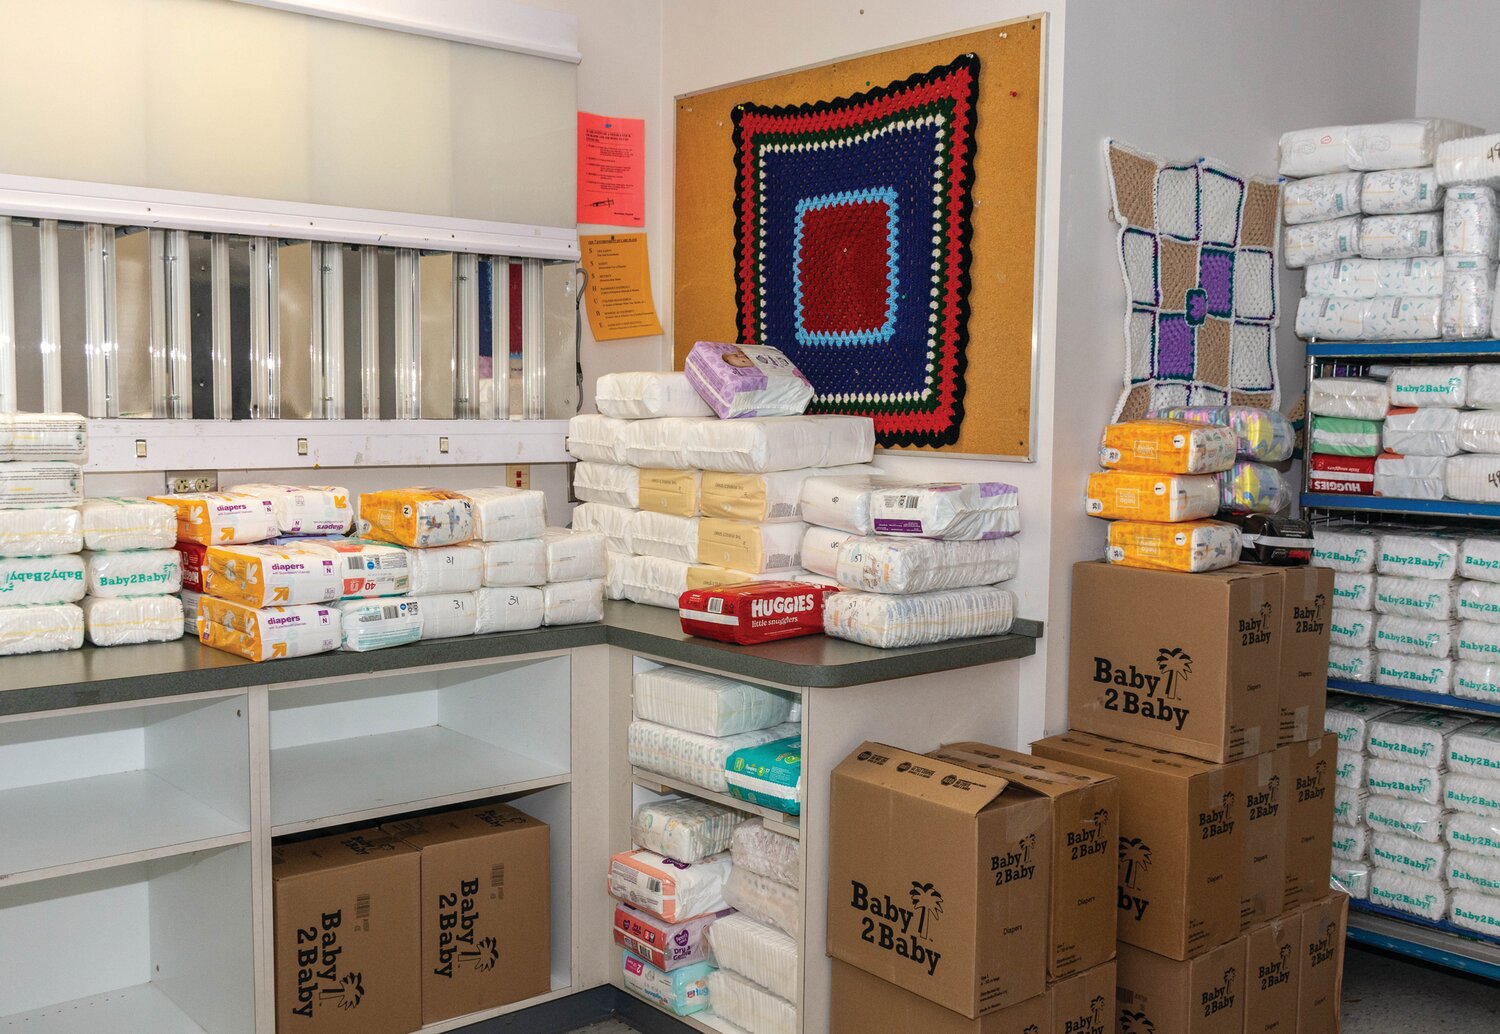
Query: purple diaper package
x=965 y=511
x=665 y=945
x=747 y=380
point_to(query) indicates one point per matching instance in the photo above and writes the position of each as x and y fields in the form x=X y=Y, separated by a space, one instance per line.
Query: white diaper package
x=1349 y=805
x=40 y=629
x=44 y=532
x=609 y=520
x=663 y=442
x=573 y=602
x=654 y=581
x=1413 y=671
x=1345 y=548
x=1418 y=554
x=512 y=608
x=673 y=892
x=951 y=510
x=1351 y=629
x=757 y=951
x=1321 y=242
x=765 y=900
x=1477 y=912
x=1403 y=143
x=1371 y=278
x=767 y=853
x=644 y=395
x=1353 y=878
x=1351 y=664
x=747 y=380
x=1398 y=191
x=609 y=483
x=1351 y=843
x=1475 y=834
x=1348 y=718
x=116 y=523
x=306 y=509
x=134 y=619
x=30 y=437
x=1418 y=820
x=1478 y=601
x=573 y=555
x=774 y=496
x=1313 y=152
x=1385 y=778
x=189 y=611
x=1401 y=236
x=887 y=565
x=1429 y=386
x=696 y=701
x=595 y=438
x=663 y=535
x=1474 y=877
x=1479 y=558
x=693 y=757
x=750 y=1007
x=1478 y=641
x=1417 y=636
x=1431 y=598
x=1475 y=750
x=762 y=445
x=1478 y=430
x=376 y=624
x=840 y=502
x=1318 y=198
x=876 y=619
x=26 y=485
x=614 y=575
x=1354 y=591
x=515 y=561
x=1354 y=397
x=750 y=546
x=1415 y=736
x=1402 y=319
x=1349 y=770
x=1409 y=856
x=43 y=580
x=1473 y=478
x=1427 y=898
x=1411 y=477
x=441 y=569
x=503 y=514
x=686 y=830
x=1325 y=318
x=1471 y=221
x=1484 y=386
x=1431 y=431
x=820 y=550
x=138 y=572
x=1474 y=795
x=1470 y=158
x=446 y=615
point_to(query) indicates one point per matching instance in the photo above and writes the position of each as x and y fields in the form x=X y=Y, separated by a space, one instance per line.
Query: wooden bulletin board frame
x=1001 y=377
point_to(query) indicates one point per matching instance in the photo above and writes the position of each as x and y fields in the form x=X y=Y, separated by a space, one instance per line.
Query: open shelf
x=706 y=1022
x=1414 y=696
x=1385 y=504
x=1440 y=943
x=790 y=825
x=139 y=1008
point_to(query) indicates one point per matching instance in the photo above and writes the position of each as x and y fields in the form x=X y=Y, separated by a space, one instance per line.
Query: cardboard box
x=1302 y=691
x=1309 y=845
x=1085 y=838
x=346 y=934
x=864 y=1004
x=1273 y=975
x=1181 y=853
x=1268 y=787
x=1206 y=995
x=486 y=921
x=1321 y=974
x=1085 y=1002
x=938 y=879
x=1181 y=662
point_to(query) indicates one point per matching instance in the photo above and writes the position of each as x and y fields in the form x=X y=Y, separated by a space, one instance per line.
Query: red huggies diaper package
x=754 y=612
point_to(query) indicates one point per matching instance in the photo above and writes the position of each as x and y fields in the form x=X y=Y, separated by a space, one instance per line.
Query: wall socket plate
x=181 y=482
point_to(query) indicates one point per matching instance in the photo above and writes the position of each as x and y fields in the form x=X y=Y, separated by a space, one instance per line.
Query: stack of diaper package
x=710 y=906
x=133 y=572
x=1408 y=432
x=1365 y=213
x=42 y=575
x=1417 y=811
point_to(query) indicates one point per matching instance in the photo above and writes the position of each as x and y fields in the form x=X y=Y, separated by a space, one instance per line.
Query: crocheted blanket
x=1197 y=253
x=852 y=229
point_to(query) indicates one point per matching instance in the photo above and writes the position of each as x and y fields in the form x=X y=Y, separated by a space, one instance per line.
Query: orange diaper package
x=1127 y=495
x=1192 y=546
x=1167 y=447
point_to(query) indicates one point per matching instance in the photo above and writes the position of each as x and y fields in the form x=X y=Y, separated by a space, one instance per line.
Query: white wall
x=1455 y=61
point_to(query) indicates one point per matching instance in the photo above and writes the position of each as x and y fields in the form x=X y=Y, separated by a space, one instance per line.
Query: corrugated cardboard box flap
x=335 y=852
x=1147 y=759
x=940 y=783
x=1056 y=780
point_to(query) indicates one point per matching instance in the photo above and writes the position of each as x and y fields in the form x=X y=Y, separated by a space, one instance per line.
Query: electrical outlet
x=181 y=482
x=518 y=475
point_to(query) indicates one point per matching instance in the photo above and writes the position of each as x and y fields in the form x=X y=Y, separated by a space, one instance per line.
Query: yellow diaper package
x=1167 y=447
x=418 y=517
x=1193 y=546
x=666 y=491
x=268 y=634
x=750 y=546
x=222 y=518
x=1127 y=495
x=272 y=576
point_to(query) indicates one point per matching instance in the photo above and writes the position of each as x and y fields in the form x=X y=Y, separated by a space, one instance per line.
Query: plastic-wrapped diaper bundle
x=1352 y=629
x=515 y=562
x=1354 y=591
x=653 y=581
x=1409 y=856
x=1413 y=671
x=1432 y=431
x=1404 y=143
x=1473 y=478
x=419 y=517
x=189 y=611
x=608 y=483
x=1417 y=636
x=840 y=502
x=1386 y=778
x=1475 y=750
x=1418 y=820
x=1331 y=319
x=1429 y=386
x=673 y=492
x=1478 y=601
x=956 y=511
x=747 y=380
x=759 y=446
x=1402 y=319
x=448 y=615
x=45 y=532
x=503 y=514
x=667 y=946
x=1320 y=198
x=687 y=829
x=767 y=853
x=665 y=536
x=885 y=621
x=42 y=580
x=1192 y=546
x=707 y=576
x=1351 y=664
x=1469 y=160
x=133 y=619
x=1484 y=386
x=1345 y=436
x=443 y=569
x=274 y=632
x=222 y=518
x=1415 y=736
x=139 y=572
x=684 y=990
x=1472 y=794
x=29 y=437
x=660 y=443
x=1419 y=554
x=1168 y=447
x=1250 y=487
x=1353 y=397
x=1474 y=834
x=1260 y=434
x=376 y=624
x=1313 y=152
x=775 y=496
x=760 y=953
x=574 y=602
x=1478 y=641
x=1397 y=191
x=674 y=892
x=1133 y=495
x=262 y=575
x=609 y=520
x=595 y=438
x=711 y=705
x=1478 y=430
x=1350 y=806
x=924 y=565
x=1349 y=771
x=28 y=485
x=1471 y=221
x=573 y=555
x=1430 y=598
x=1419 y=235
x=1345 y=548
x=769 y=775
x=305 y=510
x=1479 y=558
x=40 y=628
x=765 y=900
x=1373 y=278
x=694 y=757
x=1410 y=477
x=1349 y=718
x=644 y=395
x=113 y=524
x=1473 y=872
x=750 y=546
x=1404 y=893
x=1326 y=241
x=820 y=550
x=749 y=1006
x=1353 y=878
x=510 y=608
x=1477 y=681
x=369 y=568
x=1351 y=843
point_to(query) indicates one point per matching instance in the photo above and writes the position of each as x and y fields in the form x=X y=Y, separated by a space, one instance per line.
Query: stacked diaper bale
x=1472 y=827
x=917 y=563
x=1346 y=417
x=1467 y=168
x=134 y=572
x=42 y=577
x=1264 y=442
x=756 y=985
x=1364 y=215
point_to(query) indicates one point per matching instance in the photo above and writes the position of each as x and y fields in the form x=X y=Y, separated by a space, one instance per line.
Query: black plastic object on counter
x=1274 y=541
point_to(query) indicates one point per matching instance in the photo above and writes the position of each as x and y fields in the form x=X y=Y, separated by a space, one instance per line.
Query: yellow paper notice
x=618 y=295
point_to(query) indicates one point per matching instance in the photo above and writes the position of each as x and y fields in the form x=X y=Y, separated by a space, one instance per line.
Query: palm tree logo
x=1174 y=663
x=1228 y=800
x=1135 y=860
x=1229 y=975
x=1100 y=818
x=1318 y=602
x=350 y=992
x=488 y=955
x=1136 y=1023
x=1286 y=953
x=1274 y=785
x=928 y=902
x=1096 y=1010
x=1026 y=844
x=1320 y=768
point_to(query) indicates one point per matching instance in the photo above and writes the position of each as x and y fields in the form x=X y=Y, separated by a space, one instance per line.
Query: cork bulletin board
x=876 y=219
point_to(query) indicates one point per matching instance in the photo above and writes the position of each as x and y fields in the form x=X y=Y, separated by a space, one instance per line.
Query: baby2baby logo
x=1159 y=702
x=319 y=984
x=1221 y=997
x=1091 y=1022
x=898 y=929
